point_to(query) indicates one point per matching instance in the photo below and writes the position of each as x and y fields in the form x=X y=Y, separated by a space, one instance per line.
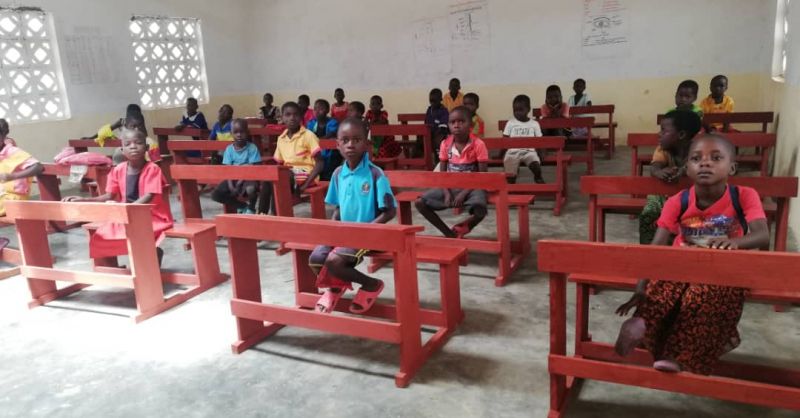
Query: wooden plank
x=199 y=145
x=194 y=132
x=90 y=143
x=426 y=179
x=540 y=142
x=85 y=277
x=61 y=211
x=410 y=117
x=775 y=187
x=743 y=139
x=562 y=123
x=216 y=173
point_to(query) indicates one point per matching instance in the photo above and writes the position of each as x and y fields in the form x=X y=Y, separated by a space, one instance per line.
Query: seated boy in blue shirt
x=235 y=193
x=325 y=127
x=361 y=193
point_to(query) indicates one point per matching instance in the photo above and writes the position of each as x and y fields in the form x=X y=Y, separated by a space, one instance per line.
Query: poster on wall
x=431 y=44
x=605 y=31
x=90 y=57
x=469 y=24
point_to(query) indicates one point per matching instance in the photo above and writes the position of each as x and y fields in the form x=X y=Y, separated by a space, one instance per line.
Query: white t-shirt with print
x=515 y=129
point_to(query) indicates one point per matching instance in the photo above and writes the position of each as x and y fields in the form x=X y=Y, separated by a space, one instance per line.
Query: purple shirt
x=436 y=118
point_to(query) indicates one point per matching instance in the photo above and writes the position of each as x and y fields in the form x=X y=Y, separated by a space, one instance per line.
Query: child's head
x=711 y=160
x=303 y=101
x=376 y=104
x=321 y=109
x=134 y=145
x=472 y=102
x=352 y=139
x=454 y=86
x=678 y=127
x=290 y=113
x=135 y=122
x=719 y=85
x=268 y=99
x=460 y=122
x=338 y=94
x=4 y=129
x=191 y=106
x=225 y=113
x=132 y=109
x=355 y=110
x=579 y=86
x=240 y=131
x=553 y=95
x=435 y=97
x=686 y=94
x=522 y=107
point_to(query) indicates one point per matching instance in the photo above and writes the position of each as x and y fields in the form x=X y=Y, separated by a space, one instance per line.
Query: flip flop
x=668 y=366
x=461 y=230
x=327 y=303
x=365 y=299
x=630 y=336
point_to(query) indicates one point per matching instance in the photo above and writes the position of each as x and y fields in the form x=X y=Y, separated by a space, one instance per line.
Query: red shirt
x=339 y=112
x=547 y=113
x=467 y=160
x=372 y=118
x=698 y=226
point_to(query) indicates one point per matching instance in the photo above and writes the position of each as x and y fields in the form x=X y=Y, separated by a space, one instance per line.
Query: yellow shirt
x=297 y=151
x=450 y=103
x=710 y=106
x=664 y=157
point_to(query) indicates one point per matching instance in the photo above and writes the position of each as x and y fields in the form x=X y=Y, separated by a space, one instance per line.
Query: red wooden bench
x=384 y=163
x=267 y=137
x=406 y=118
x=48 y=182
x=143 y=274
x=557 y=188
x=761 y=272
x=755 y=118
x=422 y=132
x=83 y=145
x=762 y=142
x=400 y=323
x=163 y=135
x=511 y=253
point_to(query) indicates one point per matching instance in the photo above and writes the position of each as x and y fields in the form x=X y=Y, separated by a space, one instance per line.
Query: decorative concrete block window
x=169 y=64
x=779 y=53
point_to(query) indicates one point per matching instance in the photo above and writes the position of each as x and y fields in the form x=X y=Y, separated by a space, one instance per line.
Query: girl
x=339 y=108
x=678 y=127
x=382 y=146
x=689 y=326
x=134 y=181
x=17 y=169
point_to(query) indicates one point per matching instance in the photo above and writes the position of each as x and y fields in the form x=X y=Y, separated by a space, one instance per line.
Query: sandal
x=667 y=366
x=461 y=230
x=364 y=300
x=327 y=303
x=4 y=243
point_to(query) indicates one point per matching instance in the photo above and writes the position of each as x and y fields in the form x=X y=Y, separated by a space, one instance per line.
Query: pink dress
x=109 y=240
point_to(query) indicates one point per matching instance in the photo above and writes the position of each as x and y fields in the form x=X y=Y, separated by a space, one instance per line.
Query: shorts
x=353 y=256
x=434 y=199
x=515 y=156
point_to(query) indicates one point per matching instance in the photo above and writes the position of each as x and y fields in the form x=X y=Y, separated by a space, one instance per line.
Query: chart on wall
x=90 y=57
x=605 y=31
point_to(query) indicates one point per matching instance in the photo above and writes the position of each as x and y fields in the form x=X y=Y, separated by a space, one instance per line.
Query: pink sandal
x=365 y=299
x=327 y=303
x=667 y=366
x=461 y=230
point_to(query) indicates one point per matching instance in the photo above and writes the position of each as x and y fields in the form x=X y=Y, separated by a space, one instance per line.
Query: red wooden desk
x=750 y=118
x=256 y=320
x=267 y=137
x=406 y=118
x=49 y=185
x=384 y=163
x=83 y=145
x=774 y=387
x=163 y=135
x=422 y=132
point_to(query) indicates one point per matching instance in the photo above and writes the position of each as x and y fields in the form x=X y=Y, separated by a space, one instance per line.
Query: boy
x=686 y=95
x=17 y=168
x=325 y=127
x=361 y=193
x=554 y=106
x=269 y=111
x=298 y=148
x=472 y=102
x=221 y=131
x=306 y=113
x=436 y=118
x=580 y=98
x=460 y=152
x=339 y=108
x=356 y=109
x=717 y=101
x=454 y=97
x=192 y=118
x=240 y=152
x=687 y=327
x=522 y=126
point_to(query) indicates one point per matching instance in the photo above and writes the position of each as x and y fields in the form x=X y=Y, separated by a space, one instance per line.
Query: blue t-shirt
x=221 y=133
x=246 y=156
x=331 y=126
x=361 y=193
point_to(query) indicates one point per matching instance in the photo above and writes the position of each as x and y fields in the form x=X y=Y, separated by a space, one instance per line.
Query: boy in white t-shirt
x=522 y=125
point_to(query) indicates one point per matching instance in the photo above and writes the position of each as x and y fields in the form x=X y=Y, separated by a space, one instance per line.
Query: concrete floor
x=78 y=357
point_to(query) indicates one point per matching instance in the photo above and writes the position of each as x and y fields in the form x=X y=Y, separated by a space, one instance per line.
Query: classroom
x=489 y=208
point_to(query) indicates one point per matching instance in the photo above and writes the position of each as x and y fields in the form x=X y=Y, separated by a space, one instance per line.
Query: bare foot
x=630 y=336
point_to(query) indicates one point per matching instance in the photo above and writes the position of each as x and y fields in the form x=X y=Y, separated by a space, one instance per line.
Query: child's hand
x=633 y=302
x=723 y=243
x=460 y=198
x=448 y=198
x=179 y=127
x=72 y=199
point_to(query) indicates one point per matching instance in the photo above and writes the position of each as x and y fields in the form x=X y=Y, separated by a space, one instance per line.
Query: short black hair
x=132 y=109
x=719 y=139
x=358 y=106
x=338 y=89
x=376 y=97
x=138 y=118
x=323 y=102
x=304 y=97
x=455 y=79
x=240 y=121
x=689 y=84
x=191 y=99
x=290 y=105
x=553 y=87
x=435 y=91
x=463 y=109
x=355 y=122
x=473 y=96
x=579 y=80
x=719 y=77
x=522 y=98
x=268 y=95
x=229 y=107
x=685 y=121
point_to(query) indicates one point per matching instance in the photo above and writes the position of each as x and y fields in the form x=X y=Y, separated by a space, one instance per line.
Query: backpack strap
x=684 y=203
x=737 y=206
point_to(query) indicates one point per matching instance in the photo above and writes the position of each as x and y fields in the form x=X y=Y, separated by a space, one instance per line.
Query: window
x=31 y=82
x=168 y=58
x=779 y=54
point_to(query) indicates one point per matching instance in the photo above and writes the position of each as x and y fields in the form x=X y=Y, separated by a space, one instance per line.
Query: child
x=192 y=118
x=686 y=95
x=325 y=127
x=554 y=108
x=436 y=118
x=454 y=98
x=306 y=113
x=17 y=168
x=382 y=146
x=689 y=326
x=4 y=131
x=356 y=110
x=339 y=108
x=361 y=193
x=522 y=125
x=133 y=181
x=717 y=101
x=678 y=127
x=222 y=128
x=580 y=98
x=134 y=119
x=269 y=111
x=472 y=102
x=460 y=152
x=240 y=152
x=298 y=148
